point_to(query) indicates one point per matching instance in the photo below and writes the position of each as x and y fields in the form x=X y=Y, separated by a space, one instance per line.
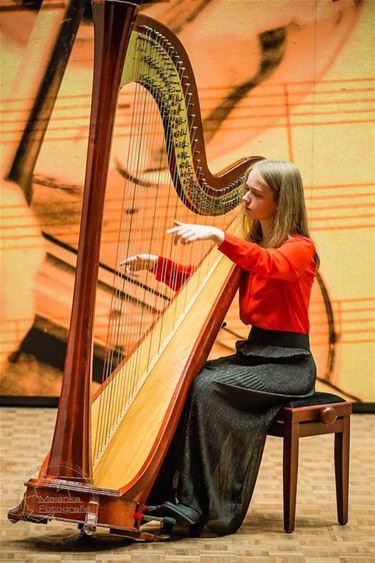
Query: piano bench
x=322 y=413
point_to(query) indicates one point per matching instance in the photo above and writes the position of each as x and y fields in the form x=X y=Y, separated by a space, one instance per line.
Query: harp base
x=82 y=504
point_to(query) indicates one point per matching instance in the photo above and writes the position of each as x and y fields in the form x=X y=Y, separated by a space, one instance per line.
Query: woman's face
x=258 y=201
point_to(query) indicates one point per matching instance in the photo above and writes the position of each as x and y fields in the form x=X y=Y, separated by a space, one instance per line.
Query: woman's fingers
x=127 y=261
x=178 y=226
x=187 y=233
x=173 y=230
x=192 y=237
x=132 y=263
x=132 y=273
x=179 y=231
x=184 y=233
x=139 y=262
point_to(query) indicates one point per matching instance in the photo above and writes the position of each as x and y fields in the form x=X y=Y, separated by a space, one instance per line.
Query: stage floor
x=26 y=436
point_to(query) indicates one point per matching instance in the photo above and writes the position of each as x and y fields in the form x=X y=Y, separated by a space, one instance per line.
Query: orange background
x=307 y=95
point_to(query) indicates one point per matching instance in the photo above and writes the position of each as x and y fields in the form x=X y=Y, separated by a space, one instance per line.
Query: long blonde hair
x=284 y=180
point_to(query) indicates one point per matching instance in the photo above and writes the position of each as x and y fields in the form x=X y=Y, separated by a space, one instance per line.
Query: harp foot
x=91 y=519
x=17 y=514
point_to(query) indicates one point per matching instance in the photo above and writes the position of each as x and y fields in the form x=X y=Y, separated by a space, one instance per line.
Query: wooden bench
x=323 y=413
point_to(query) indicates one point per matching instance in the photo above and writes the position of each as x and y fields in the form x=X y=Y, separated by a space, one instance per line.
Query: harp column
x=70 y=456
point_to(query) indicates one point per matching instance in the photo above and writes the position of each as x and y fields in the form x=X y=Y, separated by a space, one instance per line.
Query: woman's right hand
x=139 y=262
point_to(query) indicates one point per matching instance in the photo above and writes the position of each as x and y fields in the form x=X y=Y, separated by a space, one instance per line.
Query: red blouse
x=276 y=283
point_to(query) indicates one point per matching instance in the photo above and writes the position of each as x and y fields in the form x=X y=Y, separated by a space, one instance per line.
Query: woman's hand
x=139 y=262
x=187 y=233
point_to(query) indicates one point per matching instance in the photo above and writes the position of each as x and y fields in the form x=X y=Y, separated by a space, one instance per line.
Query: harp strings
x=121 y=330
x=112 y=351
x=136 y=162
x=148 y=232
x=121 y=386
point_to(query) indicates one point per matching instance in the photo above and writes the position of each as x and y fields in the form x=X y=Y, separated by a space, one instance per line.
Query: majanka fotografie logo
x=64 y=500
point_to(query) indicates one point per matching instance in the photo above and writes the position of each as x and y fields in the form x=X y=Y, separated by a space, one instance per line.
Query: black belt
x=279 y=338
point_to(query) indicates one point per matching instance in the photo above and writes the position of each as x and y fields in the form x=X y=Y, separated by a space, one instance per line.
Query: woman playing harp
x=109 y=450
x=209 y=473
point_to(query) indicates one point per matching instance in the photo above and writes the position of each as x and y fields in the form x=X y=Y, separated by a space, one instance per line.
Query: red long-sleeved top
x=171 y=273
x=276 y=283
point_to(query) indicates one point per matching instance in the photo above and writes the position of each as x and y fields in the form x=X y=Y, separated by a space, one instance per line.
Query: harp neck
x=166 y=72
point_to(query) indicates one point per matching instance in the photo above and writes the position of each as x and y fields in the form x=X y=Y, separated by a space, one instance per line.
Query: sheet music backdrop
x=296 y=84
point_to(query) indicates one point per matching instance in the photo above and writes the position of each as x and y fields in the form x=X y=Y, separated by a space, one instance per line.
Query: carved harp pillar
x=106 y=452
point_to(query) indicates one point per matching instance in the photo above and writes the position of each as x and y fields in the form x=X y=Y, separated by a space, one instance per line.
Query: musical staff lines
x=273 y=105
x=326 y=205
x=341 y=206
x=355 y=320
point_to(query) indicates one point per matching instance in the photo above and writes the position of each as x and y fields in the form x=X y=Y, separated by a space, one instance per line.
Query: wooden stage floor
x=26 y=436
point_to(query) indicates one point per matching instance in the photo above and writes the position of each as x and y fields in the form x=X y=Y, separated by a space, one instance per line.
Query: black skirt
x=213 y=461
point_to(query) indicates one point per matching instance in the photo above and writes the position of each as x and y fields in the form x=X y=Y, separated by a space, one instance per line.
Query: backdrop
x=281 y=78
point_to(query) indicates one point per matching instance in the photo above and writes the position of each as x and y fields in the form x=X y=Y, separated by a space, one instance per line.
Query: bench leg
x=290 y=472
x=342 y=470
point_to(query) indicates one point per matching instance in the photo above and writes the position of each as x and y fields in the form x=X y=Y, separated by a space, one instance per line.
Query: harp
x=106 y=452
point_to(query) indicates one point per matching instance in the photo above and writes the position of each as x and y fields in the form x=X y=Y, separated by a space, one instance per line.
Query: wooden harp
x=107 y=483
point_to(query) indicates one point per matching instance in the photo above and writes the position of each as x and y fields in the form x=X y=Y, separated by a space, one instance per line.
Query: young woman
x=209 y=473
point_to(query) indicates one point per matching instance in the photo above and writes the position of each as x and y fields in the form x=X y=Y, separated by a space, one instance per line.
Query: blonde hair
x=284 y=180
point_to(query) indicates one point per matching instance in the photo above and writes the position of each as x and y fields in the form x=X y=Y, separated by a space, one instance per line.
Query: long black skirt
x=213 y=461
